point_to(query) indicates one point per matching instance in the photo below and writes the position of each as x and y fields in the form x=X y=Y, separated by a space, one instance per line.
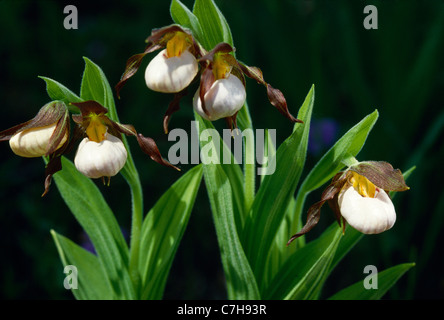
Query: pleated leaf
x=306 y=270
x=162 y=231
x=90 y=209
x=385 y=280
x=91 y=282
x=276 y=191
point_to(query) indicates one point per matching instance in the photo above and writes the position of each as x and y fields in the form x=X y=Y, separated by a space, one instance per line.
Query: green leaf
x=162 y=231
x=350 y=238
x=223 y=186
x=276 y=191
x=348 y=145
x=94 y=215
x=95 y=86
x=183 y=16
x=305 y=271
x=213 y=23
x=57 y=91
x=91 y=283
x=386 y=279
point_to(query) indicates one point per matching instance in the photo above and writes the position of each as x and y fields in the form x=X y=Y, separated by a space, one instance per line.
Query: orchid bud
x=100 y=159
x=34 y=142
x=224 y=99
x=43 y=135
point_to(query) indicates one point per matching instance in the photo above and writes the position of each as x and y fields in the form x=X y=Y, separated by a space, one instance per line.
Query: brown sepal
x=232 y=121
x=148 y=146
x=54 y=165
x=382 y=175
x=314 y=212
x=173 y=107
x=275 y=96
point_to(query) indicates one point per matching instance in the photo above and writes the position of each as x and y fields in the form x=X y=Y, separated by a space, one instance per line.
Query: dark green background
x=397 y=69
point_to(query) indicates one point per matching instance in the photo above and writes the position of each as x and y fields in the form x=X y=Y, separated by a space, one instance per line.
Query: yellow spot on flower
x=96 y=130
x=221 y=68
x=178 y=44
x=362 y=185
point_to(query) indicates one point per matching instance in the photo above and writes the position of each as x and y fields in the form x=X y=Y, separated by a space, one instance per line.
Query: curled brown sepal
x=52 y=112
x=275 y=96
x=314 y=212
x=157 y=40
x=173 y=107
x=232 y=122
x=382 y=175
x=54 y=165
x=148 y=146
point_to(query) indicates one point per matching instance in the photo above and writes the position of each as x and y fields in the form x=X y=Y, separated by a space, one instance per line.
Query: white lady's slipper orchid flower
x=172 y=69
x=100 y=159
x=225 y=98
x=359 y=197
x=369 y=215
x=34 y=142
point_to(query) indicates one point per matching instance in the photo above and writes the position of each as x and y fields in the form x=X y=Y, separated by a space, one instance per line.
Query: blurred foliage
x=397 y=69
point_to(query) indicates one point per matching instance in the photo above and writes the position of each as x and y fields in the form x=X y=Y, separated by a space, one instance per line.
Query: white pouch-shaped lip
x=225 y=97
x=365 y=214
x=100 y=159
x=170 y=75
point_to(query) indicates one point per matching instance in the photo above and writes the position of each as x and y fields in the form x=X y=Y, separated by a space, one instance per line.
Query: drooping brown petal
x=275 y=96
x=148 y=145
x=9 y=133
x=232 y=122
x=54 y=165
x=173 y=107
x=382 y=175
x=61 y=130
x=314 y=212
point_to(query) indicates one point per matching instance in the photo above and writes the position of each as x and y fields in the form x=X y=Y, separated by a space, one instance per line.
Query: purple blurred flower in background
x=88 y=245
x=323 y=133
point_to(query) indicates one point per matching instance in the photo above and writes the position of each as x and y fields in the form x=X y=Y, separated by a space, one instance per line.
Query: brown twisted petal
x=173 y=107
x=275 y=96
x=149 y=147
x=314 y=212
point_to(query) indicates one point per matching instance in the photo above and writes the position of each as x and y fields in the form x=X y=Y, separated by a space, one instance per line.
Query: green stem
x=244 y=120
x=131 y=175
x=250 y=173
x=350 y=161
x=136 y=227
x=300 y=200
